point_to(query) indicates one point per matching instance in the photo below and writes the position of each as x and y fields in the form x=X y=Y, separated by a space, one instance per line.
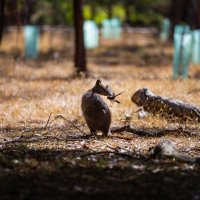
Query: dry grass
x=31 y=90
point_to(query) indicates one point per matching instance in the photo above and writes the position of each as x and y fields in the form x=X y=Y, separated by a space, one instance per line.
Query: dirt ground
x=59 y=162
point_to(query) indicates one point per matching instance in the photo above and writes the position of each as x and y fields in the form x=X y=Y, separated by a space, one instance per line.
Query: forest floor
x=53 y=163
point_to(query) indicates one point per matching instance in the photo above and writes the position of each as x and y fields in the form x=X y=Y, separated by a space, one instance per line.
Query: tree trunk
x=127 y=12
x=2 y=7
x=185 y=11
x=80 y=54
x=93 y=10
x=166 y=107
x=110 y=14
x=196 y=7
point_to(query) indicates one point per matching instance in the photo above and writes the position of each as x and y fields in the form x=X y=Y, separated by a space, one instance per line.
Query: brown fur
x=95 y=111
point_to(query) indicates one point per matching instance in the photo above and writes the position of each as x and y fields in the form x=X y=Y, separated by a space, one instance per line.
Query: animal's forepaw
x=109 y=134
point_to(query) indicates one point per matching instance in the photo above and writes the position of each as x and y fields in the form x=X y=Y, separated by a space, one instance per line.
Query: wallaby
x=95 y=111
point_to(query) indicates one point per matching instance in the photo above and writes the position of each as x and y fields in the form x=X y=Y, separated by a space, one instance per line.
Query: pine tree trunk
x=93 y=10
x=110 y=14
x=2 y=6
x=127 y=12
x=80 y=54
x=185 y=11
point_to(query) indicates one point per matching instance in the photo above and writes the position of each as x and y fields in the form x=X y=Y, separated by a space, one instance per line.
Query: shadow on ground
x=141 y=56
x=112 y=55
x=62 y=174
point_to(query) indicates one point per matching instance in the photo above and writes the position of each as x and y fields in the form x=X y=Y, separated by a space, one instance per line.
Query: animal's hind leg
x=92 y=132
x=106 y=133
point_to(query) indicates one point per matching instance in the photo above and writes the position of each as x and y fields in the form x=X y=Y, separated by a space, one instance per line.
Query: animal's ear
x=98 y=82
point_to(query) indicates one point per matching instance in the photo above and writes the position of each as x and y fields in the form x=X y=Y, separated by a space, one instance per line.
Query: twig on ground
x=155 y=132
x=130 y=129
x=121 y=137
x=131 y=153
x=48 y=120
x=60 y=116
x=69 y=139
x=118 y=149
x=108 y=152
x=111 y=147
x=22 y=139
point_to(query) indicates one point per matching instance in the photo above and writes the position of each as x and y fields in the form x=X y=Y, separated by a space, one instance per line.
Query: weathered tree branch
x=153 y=132
x=167 y=148
x=140 y=132
x=165 y=106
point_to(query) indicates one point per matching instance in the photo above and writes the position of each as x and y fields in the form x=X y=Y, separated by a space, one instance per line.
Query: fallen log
x=164 y=106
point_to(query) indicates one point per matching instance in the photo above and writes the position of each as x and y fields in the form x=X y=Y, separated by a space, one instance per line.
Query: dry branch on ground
x=165 y=106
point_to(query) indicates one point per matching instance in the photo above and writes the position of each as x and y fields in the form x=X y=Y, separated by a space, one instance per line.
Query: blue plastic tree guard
x=116 y=28
x=111 y=28
x=91 y=35
x=181 y=29
x=31 y=39
x=182 y=54
x=196 y=46
x=165 y=30
x=106 y=29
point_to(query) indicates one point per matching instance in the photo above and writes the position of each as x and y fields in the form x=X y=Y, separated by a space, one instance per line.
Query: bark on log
x=164 y=106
